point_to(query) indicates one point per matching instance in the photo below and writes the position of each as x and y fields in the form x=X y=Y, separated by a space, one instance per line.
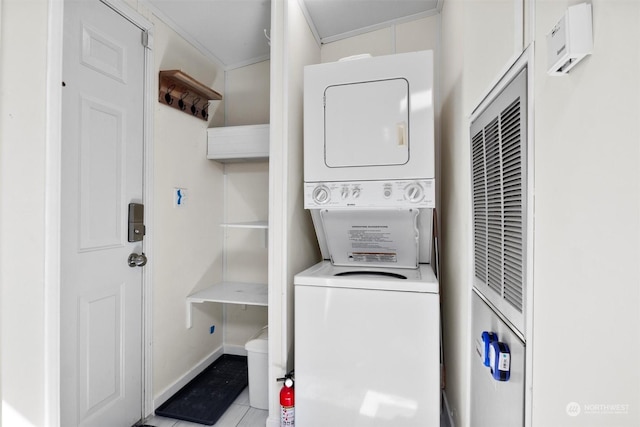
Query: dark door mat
x=205 y=398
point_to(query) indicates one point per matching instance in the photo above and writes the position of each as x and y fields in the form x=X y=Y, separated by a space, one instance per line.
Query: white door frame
x=53 y=206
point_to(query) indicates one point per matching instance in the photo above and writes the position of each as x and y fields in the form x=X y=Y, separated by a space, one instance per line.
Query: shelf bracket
x=189 y=321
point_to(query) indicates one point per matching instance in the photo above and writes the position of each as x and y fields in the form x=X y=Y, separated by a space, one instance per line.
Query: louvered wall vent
x=498 y=144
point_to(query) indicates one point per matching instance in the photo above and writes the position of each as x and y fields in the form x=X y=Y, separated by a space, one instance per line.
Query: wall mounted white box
x=570 y=40
x=238 y=143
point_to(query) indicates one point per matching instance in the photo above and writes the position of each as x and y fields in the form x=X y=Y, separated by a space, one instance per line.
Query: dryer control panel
x=370 y=194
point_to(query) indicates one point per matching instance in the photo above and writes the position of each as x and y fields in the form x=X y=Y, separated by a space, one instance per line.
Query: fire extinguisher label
x=287 y=416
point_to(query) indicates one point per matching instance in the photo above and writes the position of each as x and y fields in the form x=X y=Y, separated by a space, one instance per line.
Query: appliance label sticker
x=504 y=363
x=372 y=243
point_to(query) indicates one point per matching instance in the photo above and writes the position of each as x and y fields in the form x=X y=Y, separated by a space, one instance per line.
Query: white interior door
x=102 y=172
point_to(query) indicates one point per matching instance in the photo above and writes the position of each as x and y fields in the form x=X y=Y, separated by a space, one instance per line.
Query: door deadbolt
x=136 y=222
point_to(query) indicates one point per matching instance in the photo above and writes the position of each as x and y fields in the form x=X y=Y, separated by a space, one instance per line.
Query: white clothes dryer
x=370 y=119
x=369 y=159
x=367 y=347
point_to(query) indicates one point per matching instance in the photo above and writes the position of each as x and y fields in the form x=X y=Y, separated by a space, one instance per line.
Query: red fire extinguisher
x=287 y=409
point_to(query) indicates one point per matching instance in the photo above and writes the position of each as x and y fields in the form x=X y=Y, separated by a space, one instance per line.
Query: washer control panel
x=399 y=193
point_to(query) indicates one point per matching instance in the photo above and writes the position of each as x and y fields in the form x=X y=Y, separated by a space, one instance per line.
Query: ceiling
x=232 y=32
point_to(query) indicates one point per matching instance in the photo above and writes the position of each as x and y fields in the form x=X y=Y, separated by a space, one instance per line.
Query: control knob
x=345 y=192
x=321 y=194
x=414 y=192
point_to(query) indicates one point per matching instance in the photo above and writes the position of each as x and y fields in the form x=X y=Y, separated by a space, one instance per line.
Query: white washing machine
x=367 y=347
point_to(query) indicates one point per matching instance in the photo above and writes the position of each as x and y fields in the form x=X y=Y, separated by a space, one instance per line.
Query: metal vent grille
x=479 y=207
x=512 y=206
x=498 y=155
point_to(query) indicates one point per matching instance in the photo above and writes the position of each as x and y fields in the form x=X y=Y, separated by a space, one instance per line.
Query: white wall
x=454 y=210
x=247 y=199
x=292 y=243
x=587 y=224
x=412 y=36
x=494 y=30
x=188 y=240
x=247 y=95
x=586 y=251
x=480 y=39
x=23 y=214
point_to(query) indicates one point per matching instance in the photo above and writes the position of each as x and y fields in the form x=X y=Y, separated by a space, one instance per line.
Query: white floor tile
x=232 y=416
x=254 y=418
x=161 y=422
x=243 y=398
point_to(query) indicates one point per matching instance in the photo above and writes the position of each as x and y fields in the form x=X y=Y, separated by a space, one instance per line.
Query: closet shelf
x=184 y=93
x=229 y=293
x=238 y=143
x=255 y=225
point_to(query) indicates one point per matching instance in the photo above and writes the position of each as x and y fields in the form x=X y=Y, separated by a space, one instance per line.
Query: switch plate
x=179 y=197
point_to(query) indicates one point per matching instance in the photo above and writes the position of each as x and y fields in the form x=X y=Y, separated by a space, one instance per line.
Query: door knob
x=137 y=260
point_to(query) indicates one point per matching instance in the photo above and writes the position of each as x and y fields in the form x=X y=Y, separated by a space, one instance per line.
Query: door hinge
x=145 y=38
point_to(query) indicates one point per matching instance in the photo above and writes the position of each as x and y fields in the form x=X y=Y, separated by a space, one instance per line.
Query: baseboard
x=184 y=380
x=234 y=349
x=446 y=410
x=273 y=422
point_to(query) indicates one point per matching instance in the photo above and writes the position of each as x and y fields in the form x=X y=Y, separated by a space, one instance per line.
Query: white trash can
x=257 y=361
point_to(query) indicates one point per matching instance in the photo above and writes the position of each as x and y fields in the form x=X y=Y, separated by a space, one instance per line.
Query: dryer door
x=367 y=123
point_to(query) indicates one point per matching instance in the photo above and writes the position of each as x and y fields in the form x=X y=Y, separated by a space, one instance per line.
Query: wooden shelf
x=229 y=293
x=184 y=93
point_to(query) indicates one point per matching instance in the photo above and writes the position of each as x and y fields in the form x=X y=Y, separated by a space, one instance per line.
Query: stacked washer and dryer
x=367 y=347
